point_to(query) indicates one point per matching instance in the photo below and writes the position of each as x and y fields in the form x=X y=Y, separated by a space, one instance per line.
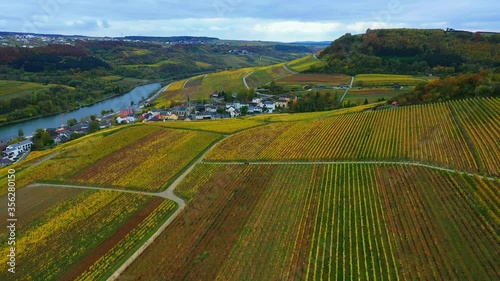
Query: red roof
x=394 y=102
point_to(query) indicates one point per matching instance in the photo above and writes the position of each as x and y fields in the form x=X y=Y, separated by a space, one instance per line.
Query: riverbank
x=56 y=120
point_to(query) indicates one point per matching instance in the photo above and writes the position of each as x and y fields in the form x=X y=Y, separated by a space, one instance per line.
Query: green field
x=9 y=88
x=380 y=80
x=358 y=96
x=305 y=63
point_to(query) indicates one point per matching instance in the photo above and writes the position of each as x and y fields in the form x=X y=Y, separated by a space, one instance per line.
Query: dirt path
x=351 y=162
x=245 y=79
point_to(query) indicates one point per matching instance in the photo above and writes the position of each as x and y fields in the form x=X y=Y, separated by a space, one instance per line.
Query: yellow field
x=287 y=117
x=305 y=63
x=225 y=126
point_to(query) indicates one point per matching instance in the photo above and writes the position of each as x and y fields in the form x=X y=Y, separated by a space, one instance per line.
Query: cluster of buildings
x=35 y=40
x=197 y=111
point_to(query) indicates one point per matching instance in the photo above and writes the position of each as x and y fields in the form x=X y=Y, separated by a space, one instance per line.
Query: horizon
x=225 y=39
x=275 y=20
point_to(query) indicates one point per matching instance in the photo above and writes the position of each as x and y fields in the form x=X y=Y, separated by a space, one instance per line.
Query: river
x=54 y=121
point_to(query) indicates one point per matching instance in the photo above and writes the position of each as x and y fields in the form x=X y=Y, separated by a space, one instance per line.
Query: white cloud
x=297 y=26
x=273 y=20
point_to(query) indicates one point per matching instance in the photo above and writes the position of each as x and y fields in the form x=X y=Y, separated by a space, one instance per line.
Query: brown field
x=193 y=83
x=315 y=78
x=109 y=243
x=32 y=201
x=371 y=91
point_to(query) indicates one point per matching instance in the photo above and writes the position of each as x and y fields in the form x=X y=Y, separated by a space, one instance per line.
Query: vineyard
x=59 y=237
x=319 y=221
x=226 y=126
x=71 y=158
x=434 y=134
x=305 y=63
x=148 y=164
x=265 y=75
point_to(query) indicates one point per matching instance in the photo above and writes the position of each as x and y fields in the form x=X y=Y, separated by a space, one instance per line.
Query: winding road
x=245 y=79
x=289 y=70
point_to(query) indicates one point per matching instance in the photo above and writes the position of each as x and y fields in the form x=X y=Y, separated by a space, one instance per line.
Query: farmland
x=432 y=134
x=216 y=126
x=311 y=79
x=147 y=164
x=265 y=75
x=305 y=63
x=377 y=80
x=358 y=96
x=338 y=221
x=356 y=193
x=9 y=89
x=57 y=238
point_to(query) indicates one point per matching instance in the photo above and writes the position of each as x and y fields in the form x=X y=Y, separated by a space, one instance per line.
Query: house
x=181 y=111
x=173 y=117
x=233 y=112
x=126 y=111
x=215 y=94
x=268 y=106
x=256 y=100
x=14 y=150
x=394 y=103
x=396 y=86
x=287 y=97
x=281 y=103
x=81 y=128
x=125 y=120
x=236 y=104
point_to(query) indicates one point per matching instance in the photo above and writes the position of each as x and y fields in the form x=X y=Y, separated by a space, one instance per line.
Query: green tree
x=20 y=133
x=93 y=127
x=72 y=122
x=366 y=101
x=244 y=110
x=42 y=139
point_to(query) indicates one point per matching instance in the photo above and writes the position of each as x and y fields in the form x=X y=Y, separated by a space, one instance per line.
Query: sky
x=266 y=20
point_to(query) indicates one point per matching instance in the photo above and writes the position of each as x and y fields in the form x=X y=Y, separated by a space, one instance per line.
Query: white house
x=127 y=120
x=269 y=106
x=232 y=112
x=15 y=149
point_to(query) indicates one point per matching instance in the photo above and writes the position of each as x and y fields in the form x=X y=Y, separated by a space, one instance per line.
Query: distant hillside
x=412 y=51
x=170 y=38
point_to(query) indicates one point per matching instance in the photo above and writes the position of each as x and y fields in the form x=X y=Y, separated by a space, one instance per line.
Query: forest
x=412 y=51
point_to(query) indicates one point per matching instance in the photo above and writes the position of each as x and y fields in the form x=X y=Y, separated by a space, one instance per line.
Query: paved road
x=169 y=194
x=315 y=57
x=347 y=90
x=289 y=70
x=185 y=82
x=155 y=96
x=245 y=79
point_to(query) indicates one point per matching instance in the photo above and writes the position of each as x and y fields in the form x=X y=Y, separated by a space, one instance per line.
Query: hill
x=84 y=64
x=412 y=51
